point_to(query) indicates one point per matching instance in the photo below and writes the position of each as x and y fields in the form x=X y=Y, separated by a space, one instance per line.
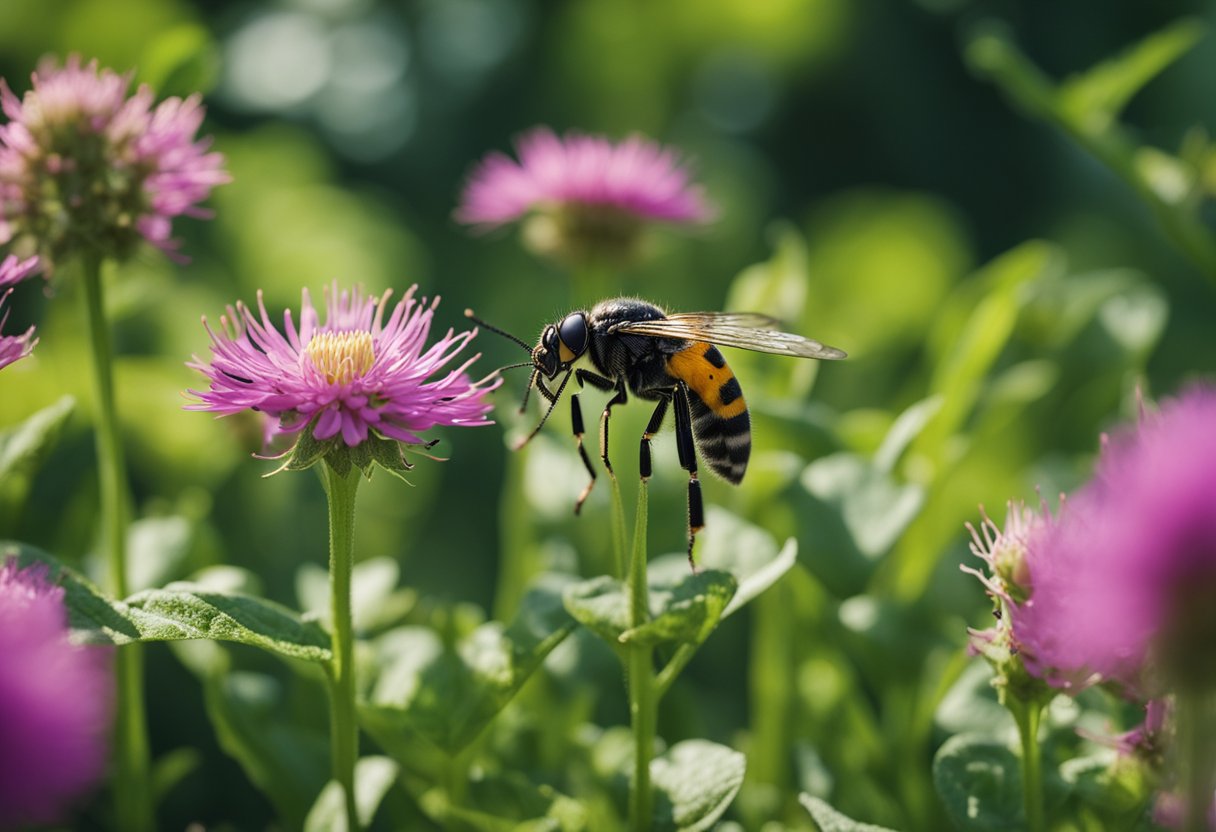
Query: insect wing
x=745 y=330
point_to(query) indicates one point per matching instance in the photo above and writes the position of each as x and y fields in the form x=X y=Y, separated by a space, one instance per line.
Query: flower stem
x=643 y=702
x=340 y=490
x=1027 y=716
x=133 y=794
x=1196 y=732
x=618 y=528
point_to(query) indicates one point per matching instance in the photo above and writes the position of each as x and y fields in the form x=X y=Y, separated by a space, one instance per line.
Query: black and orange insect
x=672 y=359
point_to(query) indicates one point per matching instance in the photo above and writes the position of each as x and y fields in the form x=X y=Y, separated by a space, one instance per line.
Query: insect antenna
x=468 y=313
x=544 y=418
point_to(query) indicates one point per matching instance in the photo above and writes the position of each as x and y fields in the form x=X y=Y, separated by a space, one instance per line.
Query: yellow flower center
x=341 y=357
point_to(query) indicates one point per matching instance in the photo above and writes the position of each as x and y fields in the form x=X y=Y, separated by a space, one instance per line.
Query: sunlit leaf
x=1093 y=98
x=830 y=820
x=980 y=783
x=694 y=783
x=376 y=600
x=683 y=608
x=374 y=776
x=731 y=544
x=24 y=446
x=448 y=695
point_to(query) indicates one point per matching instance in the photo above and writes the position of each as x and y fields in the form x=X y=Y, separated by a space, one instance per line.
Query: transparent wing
x=745 y=330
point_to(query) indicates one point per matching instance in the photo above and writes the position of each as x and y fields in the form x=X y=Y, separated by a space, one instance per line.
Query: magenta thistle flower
x=13 y=347
x=13 y=270
x=583 y=194
x=84 y=166
x=1124 y=586
x=355 y=377
x=56 y=700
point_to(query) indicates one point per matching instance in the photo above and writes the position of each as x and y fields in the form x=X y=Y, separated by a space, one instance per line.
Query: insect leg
x=688 y=461
x=576 y=417
x=652 y=427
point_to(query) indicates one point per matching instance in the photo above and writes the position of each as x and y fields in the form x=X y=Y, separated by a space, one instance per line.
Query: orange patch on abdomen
x=707 y=375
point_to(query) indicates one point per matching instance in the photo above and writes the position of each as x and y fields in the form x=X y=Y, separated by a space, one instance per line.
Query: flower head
x=84 y=166
x=356 y=377
x=1123 y=587
x=582 y=195
x=55 y=697
x=13 y=270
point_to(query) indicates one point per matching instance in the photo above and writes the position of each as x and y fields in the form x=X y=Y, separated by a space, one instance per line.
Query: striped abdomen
x=720 y=423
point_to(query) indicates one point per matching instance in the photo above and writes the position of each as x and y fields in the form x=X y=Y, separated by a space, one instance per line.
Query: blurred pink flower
x=13 y=347
x=13 y=271
x=1123 y=586
x=351 y=376
x=592 y=195
x=55 y=698
x=85 y=167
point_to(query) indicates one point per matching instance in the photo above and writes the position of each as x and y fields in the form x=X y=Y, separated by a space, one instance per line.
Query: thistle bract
x=352 y=389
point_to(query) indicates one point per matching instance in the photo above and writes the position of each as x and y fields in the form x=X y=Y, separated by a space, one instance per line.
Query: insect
x=671 y=359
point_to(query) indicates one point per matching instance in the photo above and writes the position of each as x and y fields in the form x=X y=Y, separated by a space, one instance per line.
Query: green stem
x=1027 y=716
x=133 y=795
x=618 y=528
x=643 y=703
x=1196 y=732
x=343 y=724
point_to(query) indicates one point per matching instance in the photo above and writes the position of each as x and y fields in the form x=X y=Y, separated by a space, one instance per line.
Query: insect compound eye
x=573 y=332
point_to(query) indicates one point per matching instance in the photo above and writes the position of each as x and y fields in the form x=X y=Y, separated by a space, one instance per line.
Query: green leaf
x=505 y=801
x=1094 y=98
x=23 y=447
x=172 y=768
x=449 y=694
x=157 y=550
x=873 y=508
x=287 y=761
x=178 y=611
x=683 y=609
x=979 y=782
x=374 y=776
x=829 y=820
x=732 y=545
x=185 y=610
x=694 y=783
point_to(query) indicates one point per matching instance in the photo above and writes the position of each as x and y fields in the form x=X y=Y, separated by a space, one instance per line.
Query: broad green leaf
x=971 y=706
x=449 y=694
x=181 y=60
x=179 y=611
x=872 y=506
x=287 y=761
x=1092 y=99
x=731 y=544
x=829 y=820
x=979 y=782
x=22 y=449
x=185 y=610
x=374 y=776
x=683 y=609
x=694 y=783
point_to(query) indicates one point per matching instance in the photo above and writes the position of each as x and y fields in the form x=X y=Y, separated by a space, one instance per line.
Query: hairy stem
x=643 y=701
x=1027 y=716
x=133 y=794
x=340 y=490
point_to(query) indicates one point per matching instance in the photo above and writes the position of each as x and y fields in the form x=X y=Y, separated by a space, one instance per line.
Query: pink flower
x=55 y=698
x=590 y=193
x=13 y=271
x=13 y=347
x=353 y=376
x=1123 y=586
x=84 y=166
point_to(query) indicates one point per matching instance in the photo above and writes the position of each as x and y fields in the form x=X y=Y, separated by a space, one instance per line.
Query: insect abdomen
x=720 y=422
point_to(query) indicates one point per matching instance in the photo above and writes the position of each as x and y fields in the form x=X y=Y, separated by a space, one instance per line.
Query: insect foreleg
x=576 y=417
x=688 y=461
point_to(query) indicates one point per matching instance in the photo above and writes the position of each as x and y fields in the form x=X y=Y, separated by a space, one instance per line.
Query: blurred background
x=869 y=178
